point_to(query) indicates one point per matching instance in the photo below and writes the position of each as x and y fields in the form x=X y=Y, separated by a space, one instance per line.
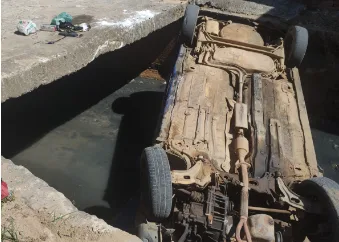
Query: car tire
x=189 y=23
x=326 y=192
x=156 y=183
x=295 y=44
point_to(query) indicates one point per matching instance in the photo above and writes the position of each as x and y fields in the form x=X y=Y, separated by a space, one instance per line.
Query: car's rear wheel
x=295 y=44
x=156 y=184
x=189 y=23
x=324 y=191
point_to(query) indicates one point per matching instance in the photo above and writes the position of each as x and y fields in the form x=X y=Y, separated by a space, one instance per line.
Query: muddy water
x=93 y=158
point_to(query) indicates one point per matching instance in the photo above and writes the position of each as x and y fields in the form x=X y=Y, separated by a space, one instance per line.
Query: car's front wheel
x=156 y=183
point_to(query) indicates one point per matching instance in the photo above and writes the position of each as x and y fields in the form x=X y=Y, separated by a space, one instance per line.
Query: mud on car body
x=234 y=158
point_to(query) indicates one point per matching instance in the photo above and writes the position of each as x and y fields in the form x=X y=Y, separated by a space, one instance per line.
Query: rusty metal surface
x=270 y=210
x=204 y=102
x=260 y=155
x=284 y=133
x=258 y=49
x=235 y=124
x=200 y=121
x=250 y=61
x=242 y=33
x=261 y=227
x=308 y=146
x=199 y=174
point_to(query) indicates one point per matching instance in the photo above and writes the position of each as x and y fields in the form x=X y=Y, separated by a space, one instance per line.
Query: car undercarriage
x=236 y=137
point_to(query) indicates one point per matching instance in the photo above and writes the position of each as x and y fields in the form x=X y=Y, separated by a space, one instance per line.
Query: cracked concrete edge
x=46 y=200
x=102 y=41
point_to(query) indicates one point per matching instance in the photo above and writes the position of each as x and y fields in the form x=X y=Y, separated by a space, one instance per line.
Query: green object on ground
x=62 y=17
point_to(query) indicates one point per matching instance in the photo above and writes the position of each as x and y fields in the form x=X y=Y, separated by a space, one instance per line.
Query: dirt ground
x=21 y=223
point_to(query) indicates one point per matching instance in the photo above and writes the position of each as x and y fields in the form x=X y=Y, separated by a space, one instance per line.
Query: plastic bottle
x=48 y=27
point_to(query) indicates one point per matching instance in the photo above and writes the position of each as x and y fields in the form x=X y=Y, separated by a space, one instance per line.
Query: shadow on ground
x=136 y=132
x=29 y=117
x=320 y=80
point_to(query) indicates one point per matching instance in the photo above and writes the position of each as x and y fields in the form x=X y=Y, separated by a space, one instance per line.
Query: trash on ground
x=61 y=23
x=54 y=41
x=48 y=27
x=64 y=34
x=61 y=18
x=69 y=34
x=4 y=190
x=85 y=26
x=27 y=27
x=66 y=26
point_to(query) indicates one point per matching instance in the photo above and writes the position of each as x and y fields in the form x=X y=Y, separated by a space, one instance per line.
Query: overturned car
x=234 y=158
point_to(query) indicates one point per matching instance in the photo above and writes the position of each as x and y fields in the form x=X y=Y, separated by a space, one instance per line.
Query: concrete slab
x=28 y=62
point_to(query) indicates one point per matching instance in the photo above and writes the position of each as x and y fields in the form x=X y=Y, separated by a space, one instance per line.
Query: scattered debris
x=69 y=34
x=68 y=26
x=85 y=26
x=54 y=41
x=48 y=27
x=62 y=18
x=27 y=27
x=4 y=190
x=63 y=24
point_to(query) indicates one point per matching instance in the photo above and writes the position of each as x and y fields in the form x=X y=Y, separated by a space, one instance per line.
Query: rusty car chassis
x=234 y=141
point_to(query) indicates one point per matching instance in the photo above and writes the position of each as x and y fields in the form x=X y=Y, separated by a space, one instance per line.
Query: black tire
x=156 y=183
x=295 y=45
x=189 y=23
x=326 y=192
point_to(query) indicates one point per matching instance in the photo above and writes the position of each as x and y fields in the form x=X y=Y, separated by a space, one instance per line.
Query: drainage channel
x=84 y=134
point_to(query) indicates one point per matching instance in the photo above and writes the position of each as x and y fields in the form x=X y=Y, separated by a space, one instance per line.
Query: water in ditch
x=93 y=158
